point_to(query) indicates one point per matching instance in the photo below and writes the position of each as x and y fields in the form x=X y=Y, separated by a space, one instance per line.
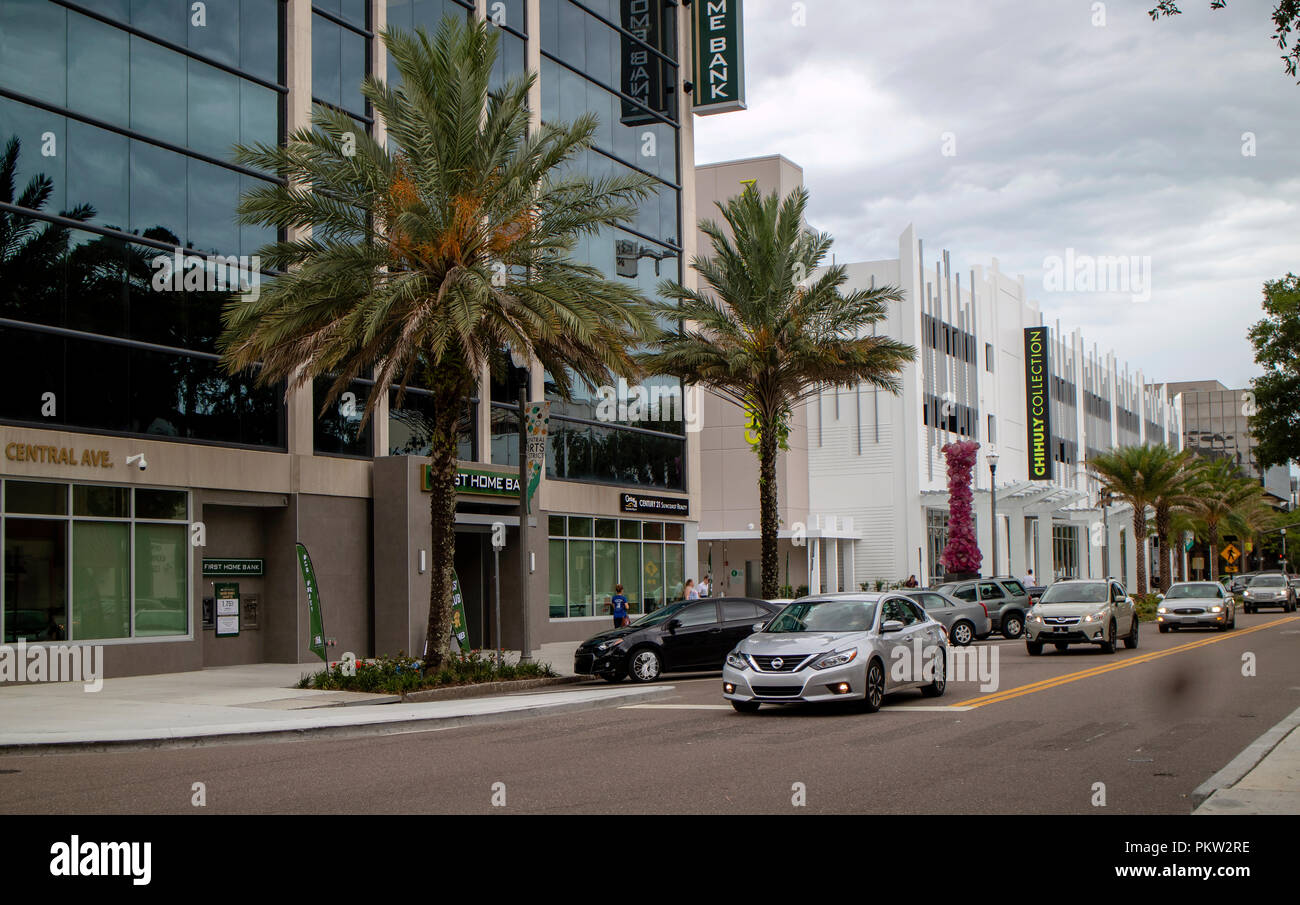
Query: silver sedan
x=964 y=620
x=842 y=648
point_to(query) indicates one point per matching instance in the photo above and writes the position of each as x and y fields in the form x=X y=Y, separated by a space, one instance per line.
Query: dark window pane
x=259 y=30
x=170 y=21
x=99 y=168
x=103 y=502
x=213 y=107
x=337 y=430
x=160 y=504
x=98 y=70
x=219 y=37
x=33 y=49
x=157 y=207
x=158 y=92
x=36 y=579
x=36 y=497
x=213 y=195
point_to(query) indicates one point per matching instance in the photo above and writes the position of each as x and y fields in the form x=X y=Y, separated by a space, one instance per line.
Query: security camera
x=139 y=461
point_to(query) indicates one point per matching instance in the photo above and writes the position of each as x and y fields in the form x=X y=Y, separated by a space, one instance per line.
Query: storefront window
x=93 y=561
x=589 y=556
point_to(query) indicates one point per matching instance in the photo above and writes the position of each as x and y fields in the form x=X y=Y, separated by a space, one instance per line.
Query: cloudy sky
x=1115 y=139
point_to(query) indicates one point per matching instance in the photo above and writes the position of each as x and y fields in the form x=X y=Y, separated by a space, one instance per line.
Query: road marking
x=956 y=708
x=1042 y=685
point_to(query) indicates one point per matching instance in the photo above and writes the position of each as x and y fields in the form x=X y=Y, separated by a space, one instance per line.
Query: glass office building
x=138 y=475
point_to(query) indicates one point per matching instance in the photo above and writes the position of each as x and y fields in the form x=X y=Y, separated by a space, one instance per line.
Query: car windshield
x=1192 y=590
x=660 y=615
x=1268 y=581
x=825 y=616
x=1077 y=592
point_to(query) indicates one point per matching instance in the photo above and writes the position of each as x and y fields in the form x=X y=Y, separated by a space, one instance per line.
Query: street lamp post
x=1105 y=534
x=993 y=504
x=1284 y=568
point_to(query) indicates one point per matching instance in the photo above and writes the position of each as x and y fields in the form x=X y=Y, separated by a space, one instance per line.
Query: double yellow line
x=1022 y=690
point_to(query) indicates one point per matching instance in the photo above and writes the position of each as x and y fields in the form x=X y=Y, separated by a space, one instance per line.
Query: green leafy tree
x=1275 y=402
x=766 y=332
x=429 y=257
x=1286 y=19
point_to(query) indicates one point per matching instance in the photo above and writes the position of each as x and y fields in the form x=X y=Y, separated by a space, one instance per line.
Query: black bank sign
x=1038 y=404
x=719 y=56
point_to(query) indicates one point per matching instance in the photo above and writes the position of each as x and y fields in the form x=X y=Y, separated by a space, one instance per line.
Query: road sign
x=1231 y=554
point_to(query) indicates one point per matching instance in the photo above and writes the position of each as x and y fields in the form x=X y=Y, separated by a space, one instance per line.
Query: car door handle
x=714 y=631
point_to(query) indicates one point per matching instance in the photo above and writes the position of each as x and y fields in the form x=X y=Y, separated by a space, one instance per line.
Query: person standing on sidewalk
x=618 y=605
x=690 y=591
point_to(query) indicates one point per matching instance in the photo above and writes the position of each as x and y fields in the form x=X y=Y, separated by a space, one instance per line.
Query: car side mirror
x=674 y=625
x=1160 y=597
x=759 y=626
x=892 y=625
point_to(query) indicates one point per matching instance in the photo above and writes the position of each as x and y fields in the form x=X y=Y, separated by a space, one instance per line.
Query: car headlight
x=1096 y=617
x=736 y=661
x=608 y=645
x=1162 y=609
x=1216 y=609
x=1247 y=593
x=837 y=658
x=1035 y=616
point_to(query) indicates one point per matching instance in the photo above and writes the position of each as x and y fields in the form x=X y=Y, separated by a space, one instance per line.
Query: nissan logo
x=777 y=663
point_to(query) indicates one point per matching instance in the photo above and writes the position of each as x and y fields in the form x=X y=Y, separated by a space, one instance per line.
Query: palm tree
x=1140 y=476
x=1219 y=494
x=1170 y=488
x=435 y=255
x=766 y=333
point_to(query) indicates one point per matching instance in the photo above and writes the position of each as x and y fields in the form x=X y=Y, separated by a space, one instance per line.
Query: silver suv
x=1005 y=599
x=1082 y=611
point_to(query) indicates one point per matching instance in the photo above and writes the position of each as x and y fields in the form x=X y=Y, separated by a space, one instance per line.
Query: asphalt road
x=1150 y=724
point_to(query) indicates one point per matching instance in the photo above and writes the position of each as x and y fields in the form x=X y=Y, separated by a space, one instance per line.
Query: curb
x=197 y=738
x=1246 y=761
x=483 y=689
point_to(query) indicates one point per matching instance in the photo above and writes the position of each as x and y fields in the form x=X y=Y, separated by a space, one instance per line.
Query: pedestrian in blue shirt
x=618 y=604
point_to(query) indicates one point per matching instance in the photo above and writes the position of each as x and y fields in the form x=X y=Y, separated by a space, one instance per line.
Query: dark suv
x=688 y=635
x=1004 y=598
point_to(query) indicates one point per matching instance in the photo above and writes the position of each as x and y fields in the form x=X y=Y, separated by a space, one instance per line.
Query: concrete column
x=297 y=108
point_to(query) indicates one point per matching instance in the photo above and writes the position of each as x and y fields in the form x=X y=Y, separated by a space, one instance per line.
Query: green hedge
x=400 y=675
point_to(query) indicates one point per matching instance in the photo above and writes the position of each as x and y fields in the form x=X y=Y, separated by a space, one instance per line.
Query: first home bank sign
x=58 y=455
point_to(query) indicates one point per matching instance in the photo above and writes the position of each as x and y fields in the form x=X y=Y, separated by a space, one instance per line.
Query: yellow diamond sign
x=1231 y=554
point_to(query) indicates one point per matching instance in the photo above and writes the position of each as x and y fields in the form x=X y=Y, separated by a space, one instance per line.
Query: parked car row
x=840 y=646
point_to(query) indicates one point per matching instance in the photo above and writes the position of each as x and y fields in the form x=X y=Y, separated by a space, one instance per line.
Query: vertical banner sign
x=642 y=71
x=317 y=644
x=1038 y=403
x=459 y=633
x=537 y=422
x=718 y=29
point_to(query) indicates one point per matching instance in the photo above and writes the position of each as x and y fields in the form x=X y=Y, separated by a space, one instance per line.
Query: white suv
x=1082 y=612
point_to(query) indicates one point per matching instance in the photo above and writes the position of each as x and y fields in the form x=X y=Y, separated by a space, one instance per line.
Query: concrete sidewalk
x=1263 y=779
x=237 y=704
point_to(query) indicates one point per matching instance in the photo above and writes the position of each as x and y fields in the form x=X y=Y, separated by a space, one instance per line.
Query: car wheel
x=1012 y=627
x=875 y=695
x=1061 y=645
x=644 y=665
x=745 y=706
x=936 y=688
x=1164 y=629
x=1131 y=642
x=1108 y=642
x=962 y=634
x=1034 y=648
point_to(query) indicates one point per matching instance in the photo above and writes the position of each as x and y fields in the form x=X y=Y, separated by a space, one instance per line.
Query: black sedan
x=683 y=636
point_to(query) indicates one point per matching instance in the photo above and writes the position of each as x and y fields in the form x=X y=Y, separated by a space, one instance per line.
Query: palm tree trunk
x=1140 y=545
x=1180 y=561
x=1213 y=537
x=767 y=503
x=1162 y=536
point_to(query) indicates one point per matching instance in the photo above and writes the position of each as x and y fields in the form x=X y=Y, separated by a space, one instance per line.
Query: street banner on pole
x=459 y=632
x=317 y=621
x=537 y=421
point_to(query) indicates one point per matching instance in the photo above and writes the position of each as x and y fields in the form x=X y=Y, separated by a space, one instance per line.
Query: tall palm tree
x=430 y=256
x=767 y=333
x=1139 y=476
x=1219 y=495
x=1171 y=492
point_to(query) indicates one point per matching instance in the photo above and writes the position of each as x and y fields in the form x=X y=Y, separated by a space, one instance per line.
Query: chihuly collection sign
x=1038 y=403
x=718 y=27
